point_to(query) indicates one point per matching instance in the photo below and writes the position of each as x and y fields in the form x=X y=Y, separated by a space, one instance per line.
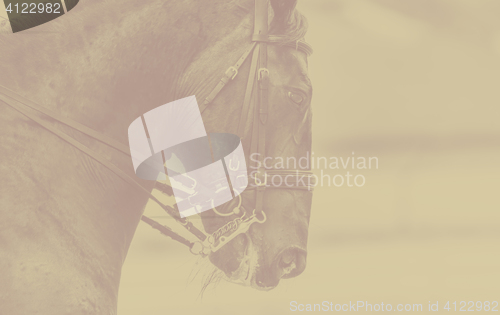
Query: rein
x=19 y=103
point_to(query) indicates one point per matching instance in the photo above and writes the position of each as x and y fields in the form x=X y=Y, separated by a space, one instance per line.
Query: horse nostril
x=292 y=262
x=287 y=259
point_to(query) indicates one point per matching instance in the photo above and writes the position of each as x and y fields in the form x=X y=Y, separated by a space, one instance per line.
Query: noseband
x=257 y=90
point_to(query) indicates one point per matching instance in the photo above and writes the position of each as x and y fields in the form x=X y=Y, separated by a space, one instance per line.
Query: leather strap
x=260 y=112
x=68 y=122
x=248 y=93
x=261 y=21
x=298 y=45
x=17 y=102
x=263 y=77
x=165 y=230
x=229 y=75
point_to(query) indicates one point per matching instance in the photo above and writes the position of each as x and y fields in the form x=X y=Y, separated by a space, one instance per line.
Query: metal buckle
x=264 y=217
x=185 y=223
x=261 y=71
x=258 y=179
x=232 y=69
x=199 y=248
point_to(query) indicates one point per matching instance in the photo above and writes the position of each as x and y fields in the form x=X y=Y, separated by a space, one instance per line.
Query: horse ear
x=283 y=11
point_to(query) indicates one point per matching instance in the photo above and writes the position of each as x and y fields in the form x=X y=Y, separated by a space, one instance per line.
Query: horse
x=67 y=221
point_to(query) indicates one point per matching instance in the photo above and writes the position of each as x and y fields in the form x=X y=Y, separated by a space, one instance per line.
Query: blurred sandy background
x=414 y=83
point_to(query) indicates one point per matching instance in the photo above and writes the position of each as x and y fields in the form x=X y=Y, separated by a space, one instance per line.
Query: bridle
x=257 y=90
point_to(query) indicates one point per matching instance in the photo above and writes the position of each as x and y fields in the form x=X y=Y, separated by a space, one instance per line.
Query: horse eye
x=296 y=98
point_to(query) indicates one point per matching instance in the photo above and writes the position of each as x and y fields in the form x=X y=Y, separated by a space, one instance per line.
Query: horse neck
x=103 y=77
x=76 y=219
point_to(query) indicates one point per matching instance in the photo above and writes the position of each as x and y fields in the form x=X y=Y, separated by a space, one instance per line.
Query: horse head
x=275 y=249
